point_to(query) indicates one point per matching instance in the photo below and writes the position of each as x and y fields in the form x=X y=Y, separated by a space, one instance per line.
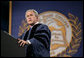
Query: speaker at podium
x=10 y=46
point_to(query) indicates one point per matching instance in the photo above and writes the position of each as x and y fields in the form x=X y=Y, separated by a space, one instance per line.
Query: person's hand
x=22 y=42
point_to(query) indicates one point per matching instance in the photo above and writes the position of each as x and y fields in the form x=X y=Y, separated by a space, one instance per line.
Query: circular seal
x=61 y=31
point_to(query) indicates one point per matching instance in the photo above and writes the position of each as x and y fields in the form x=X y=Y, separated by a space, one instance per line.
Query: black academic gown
x=39 y=36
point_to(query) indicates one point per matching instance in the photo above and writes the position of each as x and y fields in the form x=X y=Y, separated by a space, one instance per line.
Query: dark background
x=4 y=15
x=7 y=49
x=5 y=23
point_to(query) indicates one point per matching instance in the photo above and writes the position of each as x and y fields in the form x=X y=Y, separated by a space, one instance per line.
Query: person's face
x=31 y=18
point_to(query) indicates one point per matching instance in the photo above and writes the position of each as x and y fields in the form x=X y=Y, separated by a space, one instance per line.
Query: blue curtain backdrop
x=19 y=8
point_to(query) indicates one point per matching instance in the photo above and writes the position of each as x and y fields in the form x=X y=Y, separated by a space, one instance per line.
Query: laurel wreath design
x=76 y=35
x=23 y=27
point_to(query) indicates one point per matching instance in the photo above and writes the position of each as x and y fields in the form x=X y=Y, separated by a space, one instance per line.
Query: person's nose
x=29 y=17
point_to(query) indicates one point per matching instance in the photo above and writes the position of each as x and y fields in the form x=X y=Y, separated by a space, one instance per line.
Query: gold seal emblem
x=65 y=33
x=62 y=32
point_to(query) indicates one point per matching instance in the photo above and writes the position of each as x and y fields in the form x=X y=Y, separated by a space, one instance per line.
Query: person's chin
x=30 y=23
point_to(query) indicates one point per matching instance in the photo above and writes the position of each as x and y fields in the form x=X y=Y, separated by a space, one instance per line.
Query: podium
x=10 y=46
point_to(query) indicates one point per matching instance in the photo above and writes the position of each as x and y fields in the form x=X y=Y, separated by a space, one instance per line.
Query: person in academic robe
x=36 y=40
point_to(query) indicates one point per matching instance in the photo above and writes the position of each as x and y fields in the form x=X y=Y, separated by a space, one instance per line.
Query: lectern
x=10 y=46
